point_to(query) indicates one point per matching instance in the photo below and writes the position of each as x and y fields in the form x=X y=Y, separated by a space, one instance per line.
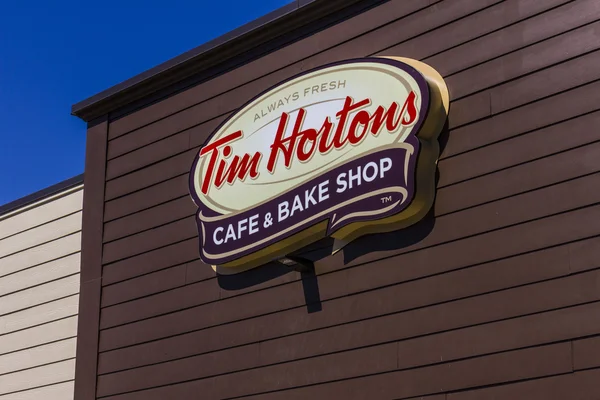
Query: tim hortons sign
x=343 y=150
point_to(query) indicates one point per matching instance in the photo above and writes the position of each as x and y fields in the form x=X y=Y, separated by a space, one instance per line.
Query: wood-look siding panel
x=61 y=391
x=42 y=214
x=57 y=289
x=41 y=234
x=41 y=254
x=41 y=355
x=58 y=330
x=43 y=273
x=35 y=377
x=39 y=315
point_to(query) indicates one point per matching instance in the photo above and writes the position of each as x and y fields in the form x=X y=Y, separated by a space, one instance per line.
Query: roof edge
x=41 y=194
x=282 y=21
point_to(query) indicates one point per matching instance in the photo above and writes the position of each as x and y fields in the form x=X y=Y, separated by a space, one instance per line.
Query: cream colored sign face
x=312 y=150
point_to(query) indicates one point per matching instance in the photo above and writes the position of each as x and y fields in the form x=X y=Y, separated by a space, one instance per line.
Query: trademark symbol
x=387 y=199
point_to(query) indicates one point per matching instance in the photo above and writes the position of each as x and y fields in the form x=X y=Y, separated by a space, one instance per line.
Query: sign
x=343 y=150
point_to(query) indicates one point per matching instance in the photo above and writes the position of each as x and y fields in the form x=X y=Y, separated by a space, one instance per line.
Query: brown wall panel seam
x=151 y=207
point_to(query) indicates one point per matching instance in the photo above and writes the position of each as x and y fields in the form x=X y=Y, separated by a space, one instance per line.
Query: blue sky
x=56 y=53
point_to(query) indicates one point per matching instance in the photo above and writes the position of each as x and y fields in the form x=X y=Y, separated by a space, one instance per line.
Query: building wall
x=40 y=246
x=495 y=295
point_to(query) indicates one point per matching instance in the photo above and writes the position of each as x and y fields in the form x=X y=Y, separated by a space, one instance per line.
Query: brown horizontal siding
x=146 y=198
x=339 y=310
x=151 y=218
x=500 y=275
x=506 y=335
x=520 y=149
x=496 y=300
